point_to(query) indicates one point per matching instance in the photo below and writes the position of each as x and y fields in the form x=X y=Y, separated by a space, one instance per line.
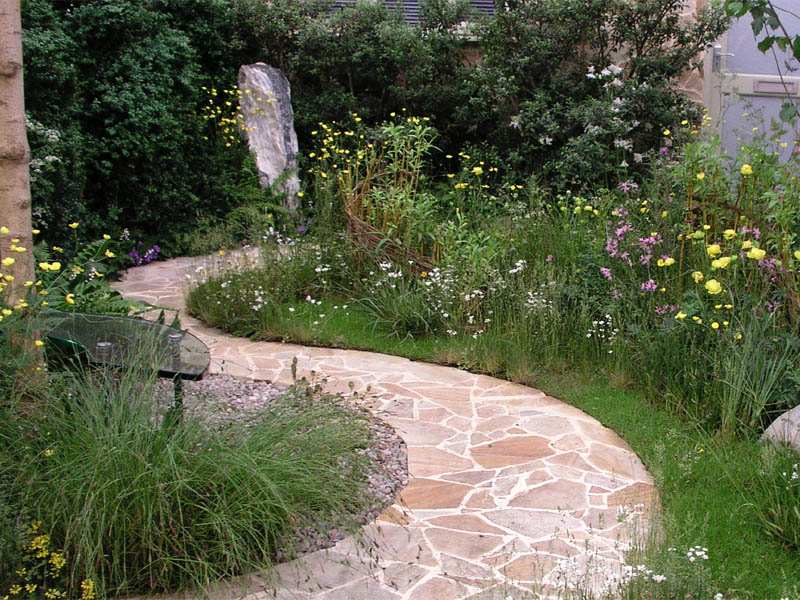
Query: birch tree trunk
x=15 y=191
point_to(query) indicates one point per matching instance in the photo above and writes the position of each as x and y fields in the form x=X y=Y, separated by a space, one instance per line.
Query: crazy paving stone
x=423 y=462
x=511 y=451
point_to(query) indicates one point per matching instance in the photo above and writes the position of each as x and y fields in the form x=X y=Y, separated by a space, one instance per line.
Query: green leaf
x=789 y=112
x=796 y=47
x=766 y=43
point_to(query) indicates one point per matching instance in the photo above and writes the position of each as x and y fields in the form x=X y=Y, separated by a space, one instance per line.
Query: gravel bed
x=223 y=398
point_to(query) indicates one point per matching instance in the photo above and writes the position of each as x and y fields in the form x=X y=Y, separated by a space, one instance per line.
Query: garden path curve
x=511 y=490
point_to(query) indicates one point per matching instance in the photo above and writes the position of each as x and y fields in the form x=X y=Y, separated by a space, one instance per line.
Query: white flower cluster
x=603 y=331
x=518 y=267
x=610 y=73
x=697 y=552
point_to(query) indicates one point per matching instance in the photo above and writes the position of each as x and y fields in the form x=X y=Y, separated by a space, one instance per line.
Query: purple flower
x=663 y=150
x=606 y=272
x=755 y=231
x=666 y=309
x=612 y=245
x=772 y=306
x=645 y=259
x=649 y=286
x=627 y=186
x=301 y=229
x=616 y=294
x=622 y=229
x=626 y=258
x=549 y=258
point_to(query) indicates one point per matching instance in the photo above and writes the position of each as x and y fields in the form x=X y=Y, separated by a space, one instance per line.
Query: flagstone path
x=511 y=491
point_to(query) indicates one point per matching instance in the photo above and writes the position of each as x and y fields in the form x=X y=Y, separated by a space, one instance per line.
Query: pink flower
x=549 y=258
x=649 y=286
x=606 y=272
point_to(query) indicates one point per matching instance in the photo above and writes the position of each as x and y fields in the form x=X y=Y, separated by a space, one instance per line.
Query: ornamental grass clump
x=138 y=503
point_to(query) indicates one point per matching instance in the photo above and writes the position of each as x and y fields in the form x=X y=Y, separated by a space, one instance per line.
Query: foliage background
x=117 y=84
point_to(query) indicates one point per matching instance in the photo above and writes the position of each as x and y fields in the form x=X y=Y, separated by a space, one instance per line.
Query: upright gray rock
x=269 y=122
x=785 y=429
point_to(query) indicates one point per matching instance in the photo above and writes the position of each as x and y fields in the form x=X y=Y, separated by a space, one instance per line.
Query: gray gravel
x=222 y=398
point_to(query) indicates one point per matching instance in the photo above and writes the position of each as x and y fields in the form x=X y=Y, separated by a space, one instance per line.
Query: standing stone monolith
x=266 y=103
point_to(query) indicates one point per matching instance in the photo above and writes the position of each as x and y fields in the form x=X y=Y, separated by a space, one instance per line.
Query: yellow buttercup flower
x=69 y=298
x=667 y=132
x=713 y=250
x=44 y=266
x=756 y=253
x=109 y=254
x=681 y=315
x=746 y=169
x=701 y=176
x=747 y=244
x=715 y=325
x=477 y=170
x=697 y=276
x=713 y=286
x=729 y=234
x=106 y=236
x=4 y=230
x=797 y=254
x=55 y=266
x=73 y=225
x=38 y=343
x=8 y=261
x=721 y=263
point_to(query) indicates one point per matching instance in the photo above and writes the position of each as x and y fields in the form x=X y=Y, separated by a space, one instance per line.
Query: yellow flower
x=713 y=286
x=738 y=336
x=73 y=225
x=697 y=320
x=721 y=263
x=8 y=261
x=28 y=284
x=58 y=249
x=4 y=230
x=747 y=169
x=221 y=252
x=729 y=234
x=797 y=254
x=715 y=325
x=667 y=132
x=87 y=590
x=697 y=276
x=713 y=250
x=69 y=298
x=49 y=452
x=756 y=253
x=680 y=315
x=725 y=323
x=6 y=312
x=55 y=266
x=300 y=194
x=109 y=254
x=38 y=343
x=106 y=236
x=665 y=262
x=44 y=266
x=477 y=170
x=701 y=176
x=699 y=235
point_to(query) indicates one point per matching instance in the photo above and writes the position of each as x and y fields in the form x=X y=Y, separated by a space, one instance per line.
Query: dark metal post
x=177 y=382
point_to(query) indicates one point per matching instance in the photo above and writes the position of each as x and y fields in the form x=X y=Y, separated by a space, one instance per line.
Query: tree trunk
x=15 y=192
x=16 y=237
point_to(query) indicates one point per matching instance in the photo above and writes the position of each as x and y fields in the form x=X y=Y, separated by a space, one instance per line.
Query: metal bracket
x=716 y=58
